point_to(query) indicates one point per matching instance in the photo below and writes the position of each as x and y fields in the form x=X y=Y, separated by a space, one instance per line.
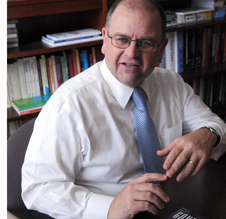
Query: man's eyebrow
x=121 y=34
x=142 y=38
x=147 y=38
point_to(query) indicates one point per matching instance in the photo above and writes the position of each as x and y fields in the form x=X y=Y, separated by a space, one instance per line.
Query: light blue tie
x=146 y=134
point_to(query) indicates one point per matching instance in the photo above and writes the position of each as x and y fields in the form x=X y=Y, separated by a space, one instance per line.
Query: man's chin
x=132 y=82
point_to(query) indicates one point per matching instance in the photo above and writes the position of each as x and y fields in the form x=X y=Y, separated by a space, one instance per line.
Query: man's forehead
x=137 y=5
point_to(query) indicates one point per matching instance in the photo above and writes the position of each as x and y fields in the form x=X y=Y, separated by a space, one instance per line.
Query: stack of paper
x=72 y=37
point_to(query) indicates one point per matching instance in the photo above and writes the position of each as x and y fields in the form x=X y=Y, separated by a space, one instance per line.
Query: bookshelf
x=39 y=17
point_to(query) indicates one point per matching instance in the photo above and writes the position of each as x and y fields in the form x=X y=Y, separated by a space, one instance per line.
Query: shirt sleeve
x=52 y=161
x=193 y=106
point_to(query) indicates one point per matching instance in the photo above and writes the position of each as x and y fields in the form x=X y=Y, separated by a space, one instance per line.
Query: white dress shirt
x=83 y=150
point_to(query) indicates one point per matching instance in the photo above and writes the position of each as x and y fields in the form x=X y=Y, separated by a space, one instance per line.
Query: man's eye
x=146 y=43
x=122 y=39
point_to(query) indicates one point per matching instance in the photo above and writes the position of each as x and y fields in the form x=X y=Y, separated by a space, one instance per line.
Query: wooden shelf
x=37 y=48
x=31 y=8
x=12 y=115
x=196 y=24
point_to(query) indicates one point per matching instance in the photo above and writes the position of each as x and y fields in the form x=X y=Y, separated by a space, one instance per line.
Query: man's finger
x=149 y=191
x=147 y=177
x=191 y=169
x=174 y=154
x=149 y=197
x=175 y=162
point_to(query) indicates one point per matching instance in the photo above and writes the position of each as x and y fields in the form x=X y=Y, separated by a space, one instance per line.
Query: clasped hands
x=189 y=153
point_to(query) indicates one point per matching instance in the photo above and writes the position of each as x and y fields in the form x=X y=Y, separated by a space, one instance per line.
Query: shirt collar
x=121 y=92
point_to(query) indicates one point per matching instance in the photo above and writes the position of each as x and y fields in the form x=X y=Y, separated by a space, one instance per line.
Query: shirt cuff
x=98 y=206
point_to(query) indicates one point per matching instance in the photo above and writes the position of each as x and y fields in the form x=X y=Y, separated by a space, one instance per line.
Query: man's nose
x=132 y=51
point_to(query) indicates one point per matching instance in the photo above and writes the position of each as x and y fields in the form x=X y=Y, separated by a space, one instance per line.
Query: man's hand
x=194 y=149
x=139 y=195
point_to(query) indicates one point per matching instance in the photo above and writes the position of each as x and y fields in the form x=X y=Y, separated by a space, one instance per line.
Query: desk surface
x=204 y=194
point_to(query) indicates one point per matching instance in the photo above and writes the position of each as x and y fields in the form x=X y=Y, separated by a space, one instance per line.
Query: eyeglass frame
x=137 y=41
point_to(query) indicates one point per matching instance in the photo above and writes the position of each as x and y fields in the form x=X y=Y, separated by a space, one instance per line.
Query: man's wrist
x=215 y=132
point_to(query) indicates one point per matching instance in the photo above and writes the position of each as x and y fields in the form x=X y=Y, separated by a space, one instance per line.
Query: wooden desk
x=204 y=194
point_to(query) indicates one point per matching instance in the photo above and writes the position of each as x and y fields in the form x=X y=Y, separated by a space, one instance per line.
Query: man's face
x=130 y=66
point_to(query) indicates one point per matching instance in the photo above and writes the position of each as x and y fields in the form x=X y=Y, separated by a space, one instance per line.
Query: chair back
x=16 y=148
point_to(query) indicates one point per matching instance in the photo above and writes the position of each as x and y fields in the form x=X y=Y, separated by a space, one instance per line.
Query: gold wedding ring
x=190 y=161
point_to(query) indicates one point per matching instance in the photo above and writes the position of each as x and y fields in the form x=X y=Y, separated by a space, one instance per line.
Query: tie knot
x=139 y=96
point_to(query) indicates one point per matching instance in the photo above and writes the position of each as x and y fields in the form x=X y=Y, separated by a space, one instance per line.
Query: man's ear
x=162 y=48
x=104 y=34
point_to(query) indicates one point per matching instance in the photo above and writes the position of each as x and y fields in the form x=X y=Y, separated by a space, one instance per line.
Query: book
x=73 y=35
x=74 y=63
x=171 y=18
x=70 y=61
x=12 y=30
x=53 y=62
x=90 y=56
x=208 y=91
x=77 y=61
x=27 y=76
x=193 y=14
x=31 y=104
x=204 y=46
x=12 y=45
x=8 y=96
x=11 y=26
x=12 y=35
x=44 y=74
x=81 y=61
x=34 y=71
x=186 y=67
x=219 y=12
x=16 y=78
x=184 y=213
x=222 y=44
x=12 y=21
x=22 y=78
x=191 y=49
x=85 y=59
x=198 y=58
x=94 y=55
x=179 y=49
x=52 y=44
x=216 y=45
x=64 y=68
x=208 y=46
x=12 y=40
x=170 y=51
x=12 y=81
x=58 y=70
x=50 y=74
x=40 y=77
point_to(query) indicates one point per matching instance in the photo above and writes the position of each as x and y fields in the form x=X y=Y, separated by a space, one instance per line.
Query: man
x=83 y=159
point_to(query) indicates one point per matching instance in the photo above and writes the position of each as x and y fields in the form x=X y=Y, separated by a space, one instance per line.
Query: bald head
x=147 y=5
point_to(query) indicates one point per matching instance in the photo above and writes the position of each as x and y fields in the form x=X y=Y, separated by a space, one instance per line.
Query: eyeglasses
x=123 y=42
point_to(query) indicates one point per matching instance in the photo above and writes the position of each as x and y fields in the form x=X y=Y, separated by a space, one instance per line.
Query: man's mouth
x=130 y=65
